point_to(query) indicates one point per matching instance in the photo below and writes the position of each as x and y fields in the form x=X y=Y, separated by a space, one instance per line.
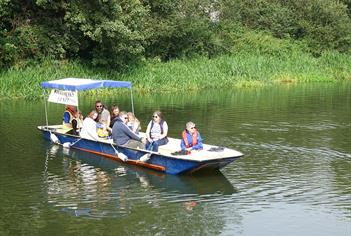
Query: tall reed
x=242 y=69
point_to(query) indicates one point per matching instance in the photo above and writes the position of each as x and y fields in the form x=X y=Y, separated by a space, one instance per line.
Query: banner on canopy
x=64 y=97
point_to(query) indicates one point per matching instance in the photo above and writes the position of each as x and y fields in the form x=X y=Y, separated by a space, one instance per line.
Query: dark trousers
x=153 y=146
x=134 y=144
x=74 y=124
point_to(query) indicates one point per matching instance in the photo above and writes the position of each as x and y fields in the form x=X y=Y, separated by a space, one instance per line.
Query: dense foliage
x=121 y=33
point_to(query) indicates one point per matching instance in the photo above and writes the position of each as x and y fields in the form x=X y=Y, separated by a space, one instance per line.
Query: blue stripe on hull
x=171 y=165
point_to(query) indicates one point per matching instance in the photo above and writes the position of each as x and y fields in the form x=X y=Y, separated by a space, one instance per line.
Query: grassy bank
x=246 y=69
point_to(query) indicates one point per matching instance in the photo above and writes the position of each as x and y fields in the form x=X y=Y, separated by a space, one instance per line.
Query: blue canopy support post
x=131 y=97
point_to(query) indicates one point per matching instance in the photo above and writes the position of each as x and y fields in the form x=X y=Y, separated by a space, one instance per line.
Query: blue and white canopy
x=74 y=84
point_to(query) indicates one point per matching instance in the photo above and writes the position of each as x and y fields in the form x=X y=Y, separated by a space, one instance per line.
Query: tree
x=107 y=32
x=181 y=28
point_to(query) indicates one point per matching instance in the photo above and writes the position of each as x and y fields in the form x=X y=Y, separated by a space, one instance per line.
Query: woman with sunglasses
x=191 y=138
x=156 y=132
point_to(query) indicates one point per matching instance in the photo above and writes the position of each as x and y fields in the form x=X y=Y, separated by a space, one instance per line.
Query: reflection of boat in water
x=84 y=184
x=165 y=160
x=215 y=183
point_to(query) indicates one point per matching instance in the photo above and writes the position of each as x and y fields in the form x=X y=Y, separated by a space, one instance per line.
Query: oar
x=145 y=157
x=54 y=138
x=68 y=144
x=120 y=155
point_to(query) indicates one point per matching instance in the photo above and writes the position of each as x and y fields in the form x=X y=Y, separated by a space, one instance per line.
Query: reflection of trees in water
x=150 y=201
x=79 y=188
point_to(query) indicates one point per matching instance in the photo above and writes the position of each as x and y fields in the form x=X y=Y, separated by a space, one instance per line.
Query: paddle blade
x=54 y=138
x=145 y=158
x=122 y=156
x=66 y=145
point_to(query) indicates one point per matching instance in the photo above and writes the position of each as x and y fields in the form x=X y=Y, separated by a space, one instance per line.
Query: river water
x=295 y=177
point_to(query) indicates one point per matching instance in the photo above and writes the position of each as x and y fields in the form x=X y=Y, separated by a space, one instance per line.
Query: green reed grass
x=241 y=69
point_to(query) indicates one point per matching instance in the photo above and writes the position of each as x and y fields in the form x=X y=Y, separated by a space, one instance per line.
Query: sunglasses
x=154 y=116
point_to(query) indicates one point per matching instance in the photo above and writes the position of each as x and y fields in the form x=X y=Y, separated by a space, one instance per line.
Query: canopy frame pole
x=46 y=109
x=77 y=103
x=131 y=97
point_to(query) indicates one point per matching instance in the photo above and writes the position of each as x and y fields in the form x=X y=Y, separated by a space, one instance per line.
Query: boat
x=168 y=158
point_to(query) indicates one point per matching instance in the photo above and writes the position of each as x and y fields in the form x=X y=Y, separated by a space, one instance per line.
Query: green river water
x=295 y=177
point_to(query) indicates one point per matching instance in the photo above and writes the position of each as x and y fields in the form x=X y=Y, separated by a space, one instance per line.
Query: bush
x=322 y=24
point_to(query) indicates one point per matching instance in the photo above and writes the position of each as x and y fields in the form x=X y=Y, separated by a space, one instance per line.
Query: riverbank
x=246 y=69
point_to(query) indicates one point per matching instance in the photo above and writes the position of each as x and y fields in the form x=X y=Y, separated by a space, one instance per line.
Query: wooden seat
x=59 y=129
x=173 y=145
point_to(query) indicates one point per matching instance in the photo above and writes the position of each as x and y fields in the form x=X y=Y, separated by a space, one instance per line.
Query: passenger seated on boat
x=72 y=120
x=122 y=135
x=191 y=138
x=102 y=131
x=89 y=130
x=103 y=118
x=114 y=116
x=133 y=123
x=156 y=132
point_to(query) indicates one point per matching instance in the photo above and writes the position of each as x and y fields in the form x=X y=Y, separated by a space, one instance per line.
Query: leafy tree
x=348 y=4
x=325 y=24
x=267 y=15
x=121 y=33
x=181 y=28
x=107 y=32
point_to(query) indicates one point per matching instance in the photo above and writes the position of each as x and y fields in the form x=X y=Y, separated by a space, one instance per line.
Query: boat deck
x=206 y=154
x=209 y=152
